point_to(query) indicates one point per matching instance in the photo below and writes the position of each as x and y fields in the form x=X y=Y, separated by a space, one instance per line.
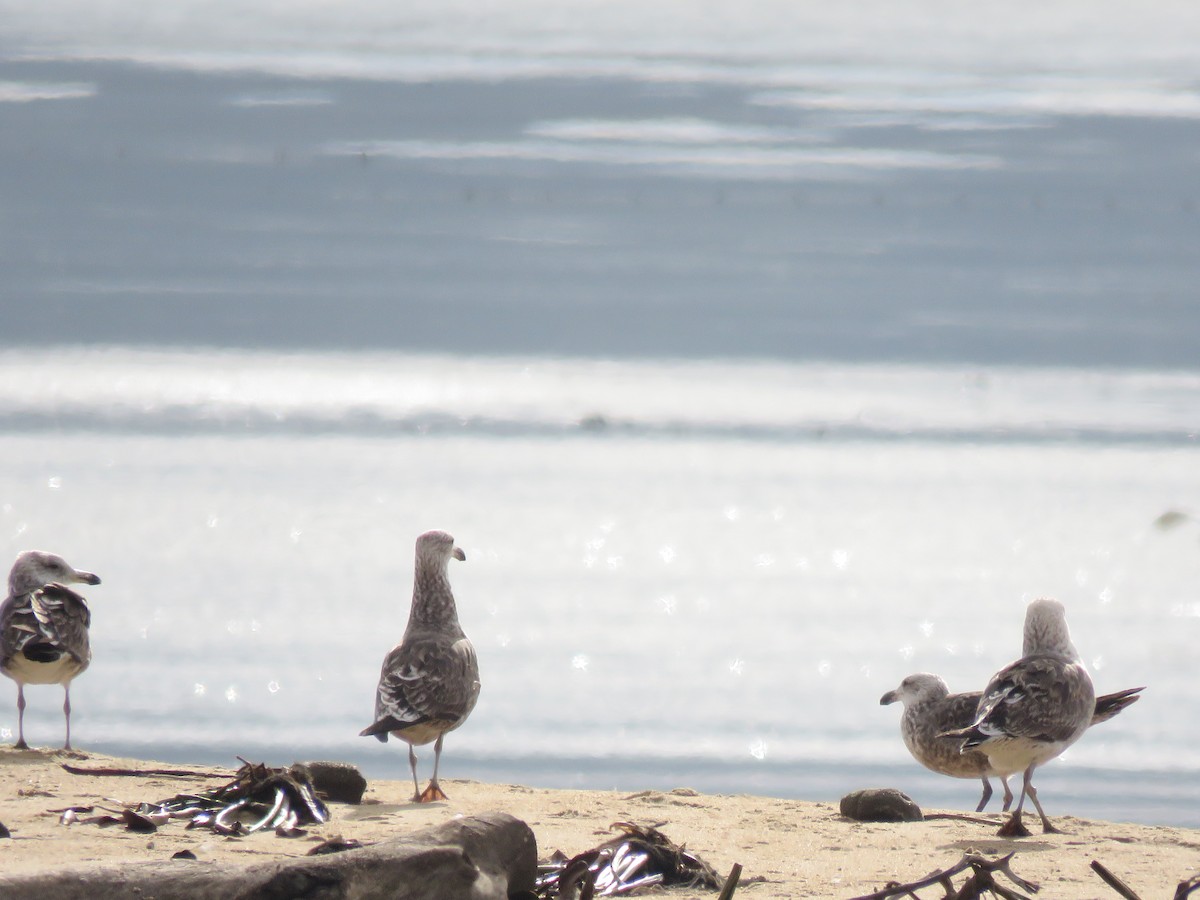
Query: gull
x=1033 y=709
x=430 y=680
x=930 y=710
x=44 y=629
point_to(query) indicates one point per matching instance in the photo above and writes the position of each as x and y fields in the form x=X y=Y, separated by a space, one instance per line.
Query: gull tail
x=1109 y=705
x=379 y=730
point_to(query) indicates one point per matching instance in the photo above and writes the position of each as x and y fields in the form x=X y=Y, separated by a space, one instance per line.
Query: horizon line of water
x=133 y=390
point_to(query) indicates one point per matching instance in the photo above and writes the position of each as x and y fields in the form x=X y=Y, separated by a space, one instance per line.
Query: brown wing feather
x=52 y=618
x=1038 y=697
x=427 y=680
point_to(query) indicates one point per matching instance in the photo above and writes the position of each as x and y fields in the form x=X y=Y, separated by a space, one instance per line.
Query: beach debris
x=139 y=823
x=640 y=856
x=4 y=832
x=111 y=772
x=338 y=781
x=491 y=856
x=259 y=798
x=1185 y=889
x=731 y=882
x=880 y=805
x=183 y=854
x=335 y=844
x=981 y=881
x=33 y=792
x=70 y=815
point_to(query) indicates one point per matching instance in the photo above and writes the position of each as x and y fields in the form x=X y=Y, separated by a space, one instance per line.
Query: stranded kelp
x=259 y=798
x=641 y=856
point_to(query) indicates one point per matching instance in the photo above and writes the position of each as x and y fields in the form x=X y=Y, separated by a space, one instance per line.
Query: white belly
x=26 y=671
x=1015 y=755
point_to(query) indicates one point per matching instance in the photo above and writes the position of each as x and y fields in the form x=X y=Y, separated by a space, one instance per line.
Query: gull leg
x=434 y=791
x=67 y=713
x=1047 y=828
x=412 y=763
x=20 y=744
x=987 y=794
x=1008 y=795
x=1014 y=827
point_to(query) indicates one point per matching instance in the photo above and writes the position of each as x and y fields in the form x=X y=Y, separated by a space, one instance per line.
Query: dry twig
x=1187 y=888
x=106 y=771
x=1113 y=881
x=731 y=882
x=982 y=879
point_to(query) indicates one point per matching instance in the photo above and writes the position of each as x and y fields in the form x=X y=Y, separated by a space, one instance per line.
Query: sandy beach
x=787 y=848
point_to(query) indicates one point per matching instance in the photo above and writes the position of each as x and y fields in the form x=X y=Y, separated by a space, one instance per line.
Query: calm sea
x=703 y=573
x=756 y=359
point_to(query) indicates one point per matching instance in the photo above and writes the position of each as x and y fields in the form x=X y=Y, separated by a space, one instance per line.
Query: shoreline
x=787 y=848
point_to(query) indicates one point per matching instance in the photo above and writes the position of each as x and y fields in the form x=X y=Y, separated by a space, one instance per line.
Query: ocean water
x=702 y=573
x=757 y=358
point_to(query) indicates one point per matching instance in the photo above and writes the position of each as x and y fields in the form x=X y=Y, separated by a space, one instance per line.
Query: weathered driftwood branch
x=731 y=883
x=981 y=880
x=1187 y=888
x=484 y=857
x=1113 y=881
x=109 y=771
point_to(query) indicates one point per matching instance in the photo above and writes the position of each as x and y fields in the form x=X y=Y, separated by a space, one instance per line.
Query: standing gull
x=1033 y=709
x=44 y=629
x=430 y=680
x=930 y=710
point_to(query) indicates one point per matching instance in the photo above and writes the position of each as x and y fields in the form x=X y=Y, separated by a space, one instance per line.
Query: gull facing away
x=430 y=680
x=44 y=629
x=930 y=710
x=1033 y=709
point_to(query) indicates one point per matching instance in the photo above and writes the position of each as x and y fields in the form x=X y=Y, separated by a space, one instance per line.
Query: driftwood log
x=484 y=857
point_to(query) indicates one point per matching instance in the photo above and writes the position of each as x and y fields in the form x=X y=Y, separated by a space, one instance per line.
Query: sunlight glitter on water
x=954 y=536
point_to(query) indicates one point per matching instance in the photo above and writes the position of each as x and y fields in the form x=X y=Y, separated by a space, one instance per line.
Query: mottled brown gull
x=1033 y=709
x=44 y=629
x=930 y=710
x=430 y=680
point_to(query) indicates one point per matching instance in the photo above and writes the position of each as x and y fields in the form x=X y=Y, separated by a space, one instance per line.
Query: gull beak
x=889 y=697
x=86 y=577
x=459 y=555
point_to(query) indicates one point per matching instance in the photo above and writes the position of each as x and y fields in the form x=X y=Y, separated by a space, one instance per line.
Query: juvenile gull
x=1033 y=709
x=430 y=680
x=44 y=629
x=930 y=710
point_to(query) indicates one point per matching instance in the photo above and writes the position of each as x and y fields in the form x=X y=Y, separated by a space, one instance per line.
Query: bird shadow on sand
x=998 y=847
x=378 y=810
x=10 y=756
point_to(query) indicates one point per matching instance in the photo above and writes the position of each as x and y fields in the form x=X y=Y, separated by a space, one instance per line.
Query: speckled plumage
x=930 y=710
x=44 y=629
x=430 y=680
x=1035 y=708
